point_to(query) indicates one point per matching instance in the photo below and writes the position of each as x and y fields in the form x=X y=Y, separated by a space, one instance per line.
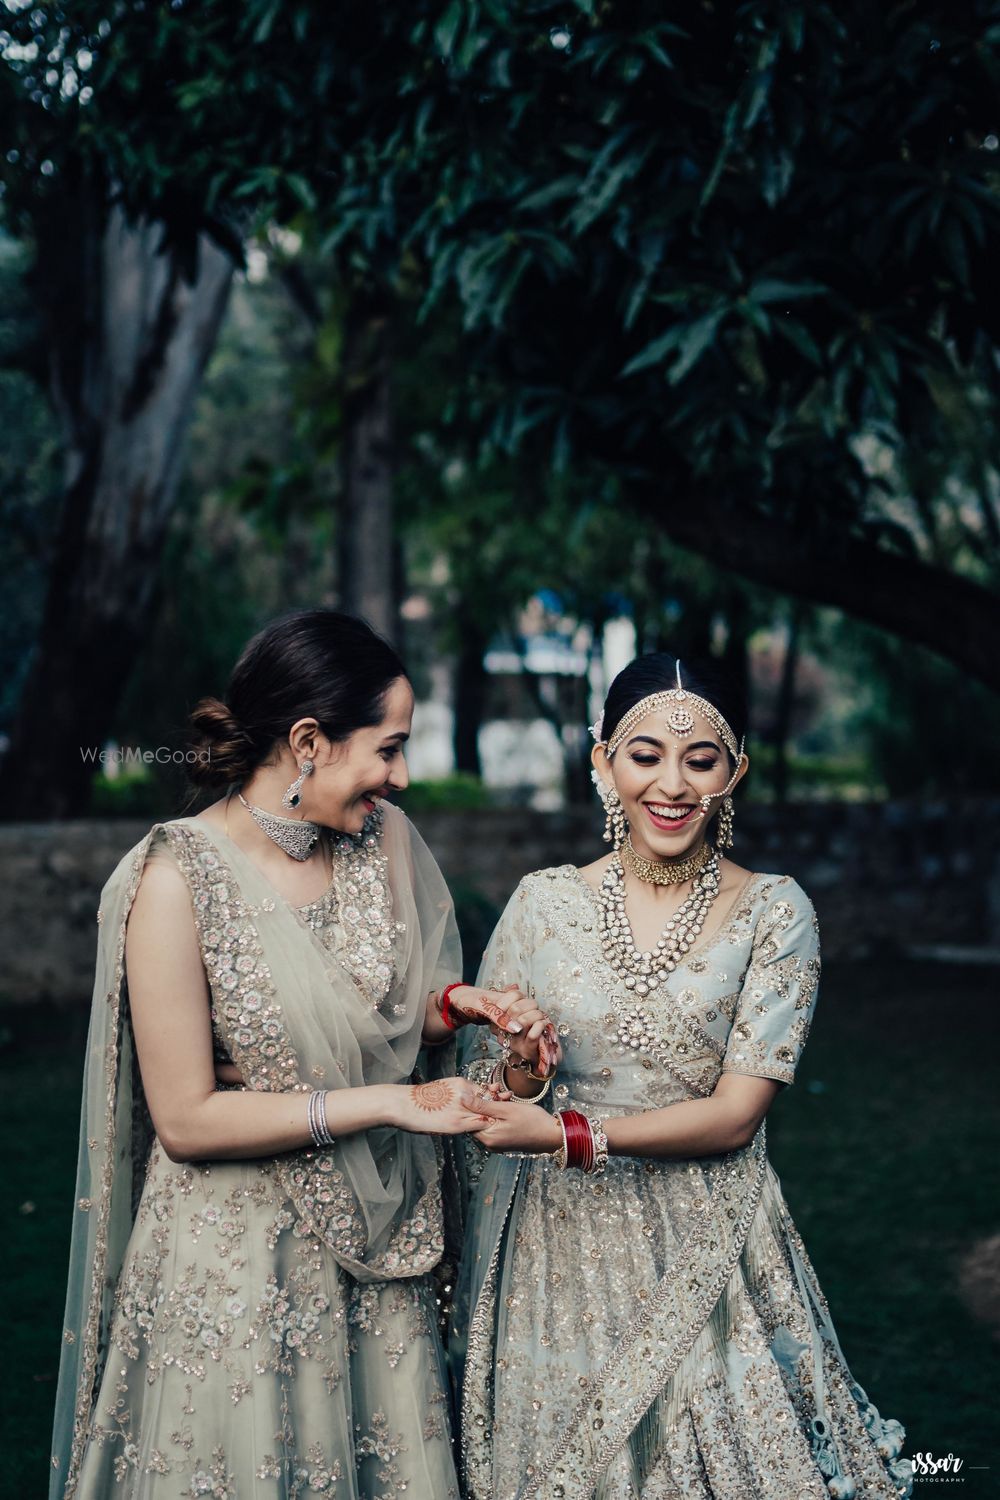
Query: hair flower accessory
x=597 y=728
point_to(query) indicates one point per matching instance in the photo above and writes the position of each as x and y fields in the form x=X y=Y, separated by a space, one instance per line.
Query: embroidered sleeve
x=778 y=997
x=507 y=960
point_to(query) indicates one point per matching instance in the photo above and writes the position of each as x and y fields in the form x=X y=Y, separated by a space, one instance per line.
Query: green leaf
x=447 y=29
x=690 y=341
x=654 y=352
x=772 y=290
x=802 y=339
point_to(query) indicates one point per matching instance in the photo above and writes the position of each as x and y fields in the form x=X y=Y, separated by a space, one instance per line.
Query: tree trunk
x=369 y=566
x=784 y=706
x=916 y=600
x=469 y=697
x=736 y=653
x=128 y=338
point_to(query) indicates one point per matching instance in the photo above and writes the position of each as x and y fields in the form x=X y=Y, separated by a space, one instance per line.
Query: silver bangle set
x=317 y=1119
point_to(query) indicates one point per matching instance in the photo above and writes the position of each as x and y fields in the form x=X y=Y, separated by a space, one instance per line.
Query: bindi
x=431 y=1096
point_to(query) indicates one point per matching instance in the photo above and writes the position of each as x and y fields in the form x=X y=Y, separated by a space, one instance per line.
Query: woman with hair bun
x=258 y=1208
x=641 y=1319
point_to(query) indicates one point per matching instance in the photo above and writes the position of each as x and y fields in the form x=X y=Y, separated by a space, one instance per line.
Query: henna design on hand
x=497 y=1016
x=431 y=1096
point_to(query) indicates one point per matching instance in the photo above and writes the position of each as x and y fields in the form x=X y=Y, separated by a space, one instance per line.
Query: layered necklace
x=643 y=973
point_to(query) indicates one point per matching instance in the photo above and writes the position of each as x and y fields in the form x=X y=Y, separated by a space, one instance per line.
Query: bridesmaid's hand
x=446 y=1106
x=514 y=1016
x=519 y=1127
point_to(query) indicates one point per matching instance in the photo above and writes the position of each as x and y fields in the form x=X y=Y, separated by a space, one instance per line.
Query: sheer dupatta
x=293 y=1017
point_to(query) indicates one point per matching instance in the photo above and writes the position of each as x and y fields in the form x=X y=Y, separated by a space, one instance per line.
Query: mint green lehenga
x=657 y=1331
x=264 y=1329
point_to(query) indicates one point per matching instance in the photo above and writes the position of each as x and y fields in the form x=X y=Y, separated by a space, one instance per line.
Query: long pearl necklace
x=643 y=973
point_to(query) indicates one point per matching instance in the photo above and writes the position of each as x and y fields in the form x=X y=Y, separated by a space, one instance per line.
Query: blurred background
x=539 y=335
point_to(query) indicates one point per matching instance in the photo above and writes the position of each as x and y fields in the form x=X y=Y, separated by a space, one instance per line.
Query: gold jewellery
x=664 y=871
x=680 y=706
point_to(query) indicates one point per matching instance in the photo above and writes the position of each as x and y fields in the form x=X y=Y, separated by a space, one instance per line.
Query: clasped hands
x=515 y=1124
x=514 y=1019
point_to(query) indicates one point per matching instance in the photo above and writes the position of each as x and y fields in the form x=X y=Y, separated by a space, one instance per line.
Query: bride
x=641 y=1318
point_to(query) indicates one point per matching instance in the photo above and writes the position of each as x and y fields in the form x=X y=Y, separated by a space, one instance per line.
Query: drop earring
x=724 y=832
x=293 y=796
x=615 y=827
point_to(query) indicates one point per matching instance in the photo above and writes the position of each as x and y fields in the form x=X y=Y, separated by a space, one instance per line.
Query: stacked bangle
x=522 y=1065
x=451 y=1017
x=585 y=1144
x=497 y=1076
x=317 y=1119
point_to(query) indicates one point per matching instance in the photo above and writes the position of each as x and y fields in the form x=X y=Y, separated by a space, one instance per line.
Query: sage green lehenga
x=656 y=1331
x=263 y=1329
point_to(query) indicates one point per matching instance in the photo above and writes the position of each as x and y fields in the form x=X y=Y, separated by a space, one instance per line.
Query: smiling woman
x=258 y=1199
x=639 y=1314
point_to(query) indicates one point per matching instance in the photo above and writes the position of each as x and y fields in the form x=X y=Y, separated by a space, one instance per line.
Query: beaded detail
x=678 y=707
x=247 y=1017
x=645 y=972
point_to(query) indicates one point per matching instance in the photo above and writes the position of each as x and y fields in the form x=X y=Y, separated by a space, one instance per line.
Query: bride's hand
x=446 y=1106
x=514 y=1016
x=519 y=1127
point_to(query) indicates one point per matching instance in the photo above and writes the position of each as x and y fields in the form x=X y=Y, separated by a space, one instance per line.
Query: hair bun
x=223 y=751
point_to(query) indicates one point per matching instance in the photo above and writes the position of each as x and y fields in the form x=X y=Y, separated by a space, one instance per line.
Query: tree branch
x=923 y=603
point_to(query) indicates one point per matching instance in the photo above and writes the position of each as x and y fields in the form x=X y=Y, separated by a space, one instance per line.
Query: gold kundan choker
x=666 y=871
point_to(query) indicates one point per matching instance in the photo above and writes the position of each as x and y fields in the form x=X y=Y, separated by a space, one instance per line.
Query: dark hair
x=316 y=662
x=657 y=671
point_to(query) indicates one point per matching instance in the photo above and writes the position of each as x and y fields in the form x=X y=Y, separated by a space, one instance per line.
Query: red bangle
x=579 y=1139
x=452 y=1019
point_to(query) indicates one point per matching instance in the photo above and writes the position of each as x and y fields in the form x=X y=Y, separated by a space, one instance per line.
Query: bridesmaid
x=640 y=1314
x=250 y=1310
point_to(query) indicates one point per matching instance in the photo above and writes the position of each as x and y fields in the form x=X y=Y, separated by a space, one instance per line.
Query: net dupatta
x=294 y=1017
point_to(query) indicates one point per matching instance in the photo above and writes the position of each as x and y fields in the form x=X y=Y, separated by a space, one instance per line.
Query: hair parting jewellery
x=680 y=706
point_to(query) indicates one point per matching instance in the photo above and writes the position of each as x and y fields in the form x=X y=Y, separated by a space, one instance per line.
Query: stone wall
x=886 y=878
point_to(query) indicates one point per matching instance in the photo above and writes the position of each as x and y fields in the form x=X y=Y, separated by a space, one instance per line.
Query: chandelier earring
x=724 y=830
x=615 y=827
x=293 y=795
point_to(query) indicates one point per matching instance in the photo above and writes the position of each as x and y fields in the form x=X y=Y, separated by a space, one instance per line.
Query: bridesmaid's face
x=661 y=780
x=351 y=776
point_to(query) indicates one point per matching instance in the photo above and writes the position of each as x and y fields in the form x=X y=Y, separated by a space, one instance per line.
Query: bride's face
x=352 y=775
x=661 y=780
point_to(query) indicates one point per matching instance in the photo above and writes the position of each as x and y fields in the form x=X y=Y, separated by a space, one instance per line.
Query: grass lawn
x=885 y=1146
